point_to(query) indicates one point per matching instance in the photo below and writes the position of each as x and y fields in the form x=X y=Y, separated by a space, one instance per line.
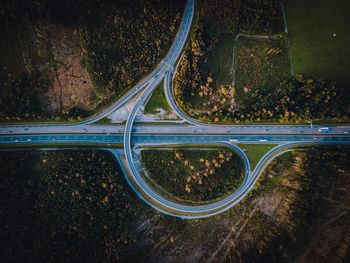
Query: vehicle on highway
x=324 y=129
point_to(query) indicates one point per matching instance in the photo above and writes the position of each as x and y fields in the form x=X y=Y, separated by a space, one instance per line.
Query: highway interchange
x=193 y=133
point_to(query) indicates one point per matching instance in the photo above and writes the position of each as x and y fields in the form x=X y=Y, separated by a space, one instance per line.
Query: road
x=175 y=128
x=130 y=135
x=12 y=140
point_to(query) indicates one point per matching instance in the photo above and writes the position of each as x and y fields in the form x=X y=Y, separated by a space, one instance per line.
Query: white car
x=323 y=129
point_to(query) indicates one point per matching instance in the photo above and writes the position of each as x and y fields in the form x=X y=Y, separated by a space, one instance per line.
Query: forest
x=64 y=60
x=63 y=205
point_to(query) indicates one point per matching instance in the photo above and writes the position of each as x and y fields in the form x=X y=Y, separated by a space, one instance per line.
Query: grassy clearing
x=220 y=60
x=157 y=101
x=255 y=152
x=315 y=51
x=260 y=63
x=195 y=174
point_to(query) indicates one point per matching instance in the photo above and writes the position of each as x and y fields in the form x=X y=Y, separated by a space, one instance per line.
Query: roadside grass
x=255 y=152
x=158 y=100
x=193 y=174
x=105 y=120
x=315 y=51
x=260 y=62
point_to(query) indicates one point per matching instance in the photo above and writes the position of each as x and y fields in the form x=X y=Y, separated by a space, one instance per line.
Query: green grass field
x=158 y=100
x=220 y=60
x=315 y=51
x=255 y=152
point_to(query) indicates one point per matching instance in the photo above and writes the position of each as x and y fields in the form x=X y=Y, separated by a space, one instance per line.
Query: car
x=324 y=129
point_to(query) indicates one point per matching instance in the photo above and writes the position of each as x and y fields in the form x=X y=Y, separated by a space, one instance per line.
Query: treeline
x=295 y=100
x=117 y=42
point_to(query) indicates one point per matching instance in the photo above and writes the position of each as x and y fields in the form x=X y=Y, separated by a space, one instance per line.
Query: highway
x=130 y=135
x=175 y=128
x=163 y=139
